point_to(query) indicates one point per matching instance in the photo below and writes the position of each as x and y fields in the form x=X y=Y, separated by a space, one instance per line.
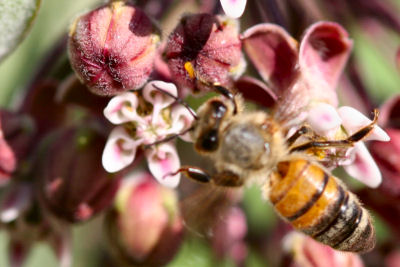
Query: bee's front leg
x=224 y=178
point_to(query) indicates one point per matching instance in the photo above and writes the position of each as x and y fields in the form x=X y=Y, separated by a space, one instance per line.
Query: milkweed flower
x=143 y=120
x=303 y=79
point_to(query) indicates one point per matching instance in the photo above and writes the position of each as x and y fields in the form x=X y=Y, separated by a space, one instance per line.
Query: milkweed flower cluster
x=305 y=84
x=67 y=153
x=144 y=120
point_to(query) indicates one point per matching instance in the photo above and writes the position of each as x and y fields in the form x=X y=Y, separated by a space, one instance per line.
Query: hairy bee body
x=316 y=203
x=251 y=146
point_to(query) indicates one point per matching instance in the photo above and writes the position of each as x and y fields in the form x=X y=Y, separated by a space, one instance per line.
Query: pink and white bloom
x=139 y=125
x=233 y=8
x=303 y=79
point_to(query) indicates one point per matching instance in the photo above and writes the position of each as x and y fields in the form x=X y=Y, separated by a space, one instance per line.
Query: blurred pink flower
x=304 y=79
x=145 y=226
x=307 y=252
x=136 y=128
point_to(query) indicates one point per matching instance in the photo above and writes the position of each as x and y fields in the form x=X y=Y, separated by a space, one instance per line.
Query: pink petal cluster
x=304 y=79
x=136 y=129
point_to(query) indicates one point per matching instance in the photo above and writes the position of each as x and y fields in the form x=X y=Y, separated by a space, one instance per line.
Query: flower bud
x=145 y=227
x=112 y=48
x=204 y=50
x=72 y=182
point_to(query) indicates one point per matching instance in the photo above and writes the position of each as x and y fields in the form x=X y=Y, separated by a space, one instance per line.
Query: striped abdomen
x=314 y=202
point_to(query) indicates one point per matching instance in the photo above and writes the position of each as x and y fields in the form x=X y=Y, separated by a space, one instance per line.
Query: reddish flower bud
x=204 y=49
x=145 y=228
x=72 y=183
x=112 y=48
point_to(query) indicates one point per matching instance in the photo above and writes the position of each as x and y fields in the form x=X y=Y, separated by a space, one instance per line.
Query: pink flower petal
x=122 y=108
x=163 y=160
x=274 y=54
x=389 y=115
x=157 y=97
x=364 y=167
x=353 y=120
x=120 y=150
x=256 y=91
x=324 y=119
x=233 y=8
x=181 y=120
x=323 y=54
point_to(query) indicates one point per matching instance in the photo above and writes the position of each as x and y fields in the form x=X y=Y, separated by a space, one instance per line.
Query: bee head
x=208 y=126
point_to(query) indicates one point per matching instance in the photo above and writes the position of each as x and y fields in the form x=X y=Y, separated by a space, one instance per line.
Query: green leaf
x=16 y=17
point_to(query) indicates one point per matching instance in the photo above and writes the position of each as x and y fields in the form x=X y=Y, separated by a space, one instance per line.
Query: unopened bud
x=112 y=48
x=145 y=228
x=73 y=184
x=204 y=50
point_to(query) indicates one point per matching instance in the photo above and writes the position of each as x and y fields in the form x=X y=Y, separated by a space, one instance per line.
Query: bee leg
x=224 y=178
x=348 y=142
x=300 y=132
x=195 y=173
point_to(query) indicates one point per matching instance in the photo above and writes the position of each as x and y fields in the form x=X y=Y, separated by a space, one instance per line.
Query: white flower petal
x=233 y=8
x=181 y=120
x=157 y=97
x=122 y=108
x=324 y=119
x=353 y=120
x=364 y=167
x=120 y=150
x=164 y=160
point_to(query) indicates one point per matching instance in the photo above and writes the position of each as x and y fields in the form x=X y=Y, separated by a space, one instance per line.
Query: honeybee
x=251 y=145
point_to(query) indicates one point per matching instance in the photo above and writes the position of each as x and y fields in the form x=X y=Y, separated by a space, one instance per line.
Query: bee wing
x=204 y=208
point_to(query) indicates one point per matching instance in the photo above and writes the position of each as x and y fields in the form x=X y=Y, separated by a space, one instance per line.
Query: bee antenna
x=228 y=94
x=177 y=99
x=169 y=138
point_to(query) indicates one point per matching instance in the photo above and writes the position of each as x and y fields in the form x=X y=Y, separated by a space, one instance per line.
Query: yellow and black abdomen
x=314 y=202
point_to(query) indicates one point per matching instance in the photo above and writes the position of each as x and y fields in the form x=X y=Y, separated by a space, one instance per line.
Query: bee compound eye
x=208 y=141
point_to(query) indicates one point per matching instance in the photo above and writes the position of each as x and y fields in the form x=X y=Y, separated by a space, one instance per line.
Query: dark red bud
x=204 y=49
x=73 y=185
x=112 y=48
